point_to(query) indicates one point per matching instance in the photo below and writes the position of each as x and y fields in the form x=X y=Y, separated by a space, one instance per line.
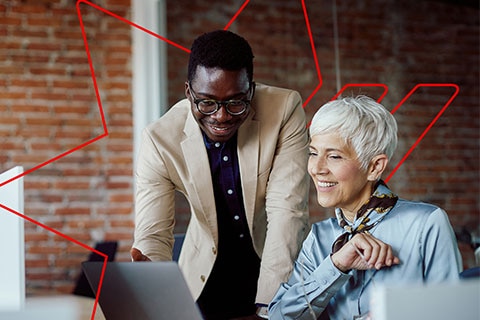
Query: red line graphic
x=314 y=52
x=105 y=257
x=385 y=89
x=126 y=21
x=236 y=15
x=439 y=114
x=180 y=47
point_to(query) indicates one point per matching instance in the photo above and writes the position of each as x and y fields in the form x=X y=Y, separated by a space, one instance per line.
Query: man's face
x=220 y=85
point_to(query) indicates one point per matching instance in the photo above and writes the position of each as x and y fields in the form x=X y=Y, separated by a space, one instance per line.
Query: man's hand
x=137 y=255
x=363 y=252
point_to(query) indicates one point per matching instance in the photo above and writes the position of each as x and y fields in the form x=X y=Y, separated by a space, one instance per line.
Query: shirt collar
x=215 y=144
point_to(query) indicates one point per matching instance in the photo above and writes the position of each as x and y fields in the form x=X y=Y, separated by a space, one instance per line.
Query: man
x=238 y=152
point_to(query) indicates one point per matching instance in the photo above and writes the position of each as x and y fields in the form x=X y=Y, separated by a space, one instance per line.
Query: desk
x=68 y=307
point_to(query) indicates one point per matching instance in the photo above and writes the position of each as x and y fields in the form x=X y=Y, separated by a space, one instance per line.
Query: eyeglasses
x=210 y=106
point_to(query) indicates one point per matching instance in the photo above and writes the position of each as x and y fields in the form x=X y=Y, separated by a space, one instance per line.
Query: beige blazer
x=272 y=153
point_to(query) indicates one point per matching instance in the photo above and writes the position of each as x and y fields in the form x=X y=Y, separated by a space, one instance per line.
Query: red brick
x=43 y=121
x=29 y=159
x=121 y=198
x=81 y=110
x=123 y=223
x=86 y=224
x=35 y=237
x=43 y=21
x=73 y=211
x=115 y=236
x=50 y=71
x=13 y=95
x=35 y=263
x=116 y=210
x=30 y=34
x=44 y=250
x=6 y=120
x=29 y=83
x=12 y=20
x=29 y=8
x=34 y=132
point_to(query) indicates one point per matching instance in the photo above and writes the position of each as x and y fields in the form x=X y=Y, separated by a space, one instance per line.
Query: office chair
x=82 y=287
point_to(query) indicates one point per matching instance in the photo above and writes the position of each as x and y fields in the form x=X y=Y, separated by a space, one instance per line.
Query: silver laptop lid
x=142 y=290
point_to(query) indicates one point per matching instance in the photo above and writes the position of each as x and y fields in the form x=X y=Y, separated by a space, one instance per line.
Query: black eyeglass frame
x=218 y=104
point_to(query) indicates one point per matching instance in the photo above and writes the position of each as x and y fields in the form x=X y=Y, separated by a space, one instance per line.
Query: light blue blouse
x=421 y=237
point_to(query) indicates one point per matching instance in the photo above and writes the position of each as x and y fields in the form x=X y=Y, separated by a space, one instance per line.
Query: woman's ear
x=377 y=166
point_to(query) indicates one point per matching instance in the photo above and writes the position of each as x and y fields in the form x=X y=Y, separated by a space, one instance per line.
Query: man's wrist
x=262 y=311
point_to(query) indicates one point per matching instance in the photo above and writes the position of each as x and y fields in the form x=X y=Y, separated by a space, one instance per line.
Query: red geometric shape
x=105 y=257
x=236 y=15
x=430 y=125
x=314 y=52
x=385 y=89
x=105 y=133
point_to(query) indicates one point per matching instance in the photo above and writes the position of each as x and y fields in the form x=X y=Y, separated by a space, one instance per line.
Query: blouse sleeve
x=314 y=281
x=440 y=249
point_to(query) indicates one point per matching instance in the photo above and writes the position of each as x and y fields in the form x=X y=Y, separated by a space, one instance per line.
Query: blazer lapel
x=248 y=151
x=196 y=159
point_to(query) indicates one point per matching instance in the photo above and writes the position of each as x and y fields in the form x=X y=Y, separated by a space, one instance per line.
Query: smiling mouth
x=220 y=130
x=323 y=184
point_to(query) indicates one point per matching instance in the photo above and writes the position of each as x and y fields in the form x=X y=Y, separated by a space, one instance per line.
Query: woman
x=375 y=237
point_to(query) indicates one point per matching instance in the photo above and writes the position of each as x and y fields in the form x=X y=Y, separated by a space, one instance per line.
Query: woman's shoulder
x=418 y=211
x=416 y=207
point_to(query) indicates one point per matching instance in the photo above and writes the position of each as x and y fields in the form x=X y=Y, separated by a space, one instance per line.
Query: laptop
x=443 y=301
x=142 y=290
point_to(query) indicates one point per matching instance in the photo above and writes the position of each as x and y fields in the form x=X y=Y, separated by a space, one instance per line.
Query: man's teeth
x=220 y=129
x=326 y=184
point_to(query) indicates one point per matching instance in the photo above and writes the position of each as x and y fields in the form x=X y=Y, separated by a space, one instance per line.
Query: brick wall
x=48 y=107
x=48 y=104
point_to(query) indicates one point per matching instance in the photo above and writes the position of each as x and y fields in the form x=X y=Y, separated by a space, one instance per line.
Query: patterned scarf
x=381 y=202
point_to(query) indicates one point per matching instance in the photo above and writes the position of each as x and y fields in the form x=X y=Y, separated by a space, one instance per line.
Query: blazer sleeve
x=286 y=200
x=154 y=203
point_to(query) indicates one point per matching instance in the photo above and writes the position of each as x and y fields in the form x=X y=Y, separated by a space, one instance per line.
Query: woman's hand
x=363 y=252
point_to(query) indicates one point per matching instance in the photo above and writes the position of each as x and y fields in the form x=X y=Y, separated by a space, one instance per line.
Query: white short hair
x=362 y=122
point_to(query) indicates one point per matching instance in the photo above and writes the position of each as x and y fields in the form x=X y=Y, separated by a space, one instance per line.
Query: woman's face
x=337 y=174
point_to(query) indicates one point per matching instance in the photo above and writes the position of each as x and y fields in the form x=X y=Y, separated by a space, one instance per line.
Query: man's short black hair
x=221 y=49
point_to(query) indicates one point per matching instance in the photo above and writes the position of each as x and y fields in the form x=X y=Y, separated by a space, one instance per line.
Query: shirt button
x=236 y=217
x=230 y=191
x=214 y=251
x=241 y=235
x=225 y=158
x=202 y=277
x=217 y=144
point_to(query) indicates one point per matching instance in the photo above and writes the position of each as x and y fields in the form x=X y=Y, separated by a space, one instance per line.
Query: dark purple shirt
x=231 y=287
